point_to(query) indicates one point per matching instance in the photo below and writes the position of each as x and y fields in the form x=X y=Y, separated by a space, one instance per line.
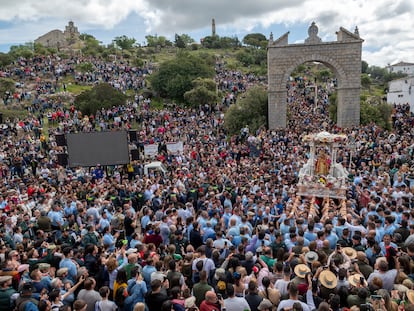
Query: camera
x=376 y=297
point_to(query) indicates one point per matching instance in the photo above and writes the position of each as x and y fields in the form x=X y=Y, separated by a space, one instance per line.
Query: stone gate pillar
x=348 y=110
x=278 y=109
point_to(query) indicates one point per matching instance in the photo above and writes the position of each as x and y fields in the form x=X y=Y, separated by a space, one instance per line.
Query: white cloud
x=385 y=25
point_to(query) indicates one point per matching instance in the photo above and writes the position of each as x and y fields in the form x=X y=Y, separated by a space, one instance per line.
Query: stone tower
x=213 y=27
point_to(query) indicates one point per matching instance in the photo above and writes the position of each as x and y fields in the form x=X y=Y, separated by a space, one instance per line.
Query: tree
x=151 y=40
x=211 y=42
x=203 y=92
x=251 y=110
x=182 y=41
x=92 y=46
x=174 y=77
x=124 y=42
x=85 y=67
x=251 y=56
x=256 y=40
x=229 y=42
x=323 y=75
x=378 y=113
x=366 y=80
x=364 y=67
x=100 y=96
x=5 y=59
x=20 y=51
x=86 y=36
x=371 y=111
x=179 y=43
x=7 y=85
x=155 y=41
x=187 y=39
x=39 y=49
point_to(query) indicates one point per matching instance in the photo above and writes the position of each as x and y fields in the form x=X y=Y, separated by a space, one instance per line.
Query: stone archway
x=343 y=57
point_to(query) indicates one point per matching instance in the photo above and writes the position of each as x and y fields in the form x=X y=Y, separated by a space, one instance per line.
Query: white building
x=401 y=91
x=402 y=67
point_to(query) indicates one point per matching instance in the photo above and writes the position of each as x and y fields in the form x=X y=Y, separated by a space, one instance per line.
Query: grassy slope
x=227 y=56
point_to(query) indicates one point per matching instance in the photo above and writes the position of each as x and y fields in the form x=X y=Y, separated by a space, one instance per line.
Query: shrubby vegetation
x=203 y=92
x=175 y=77
x=251 y=110
x=100 y=96
x=372 y=111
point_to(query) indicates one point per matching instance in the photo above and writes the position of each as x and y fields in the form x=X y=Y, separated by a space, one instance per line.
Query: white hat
x=131 y=251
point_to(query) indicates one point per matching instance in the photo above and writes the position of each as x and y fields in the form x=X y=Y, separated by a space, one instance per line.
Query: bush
x=375 y=112
x=251 y=110
x=175 y=76
x=101 y=96
x=7 y=85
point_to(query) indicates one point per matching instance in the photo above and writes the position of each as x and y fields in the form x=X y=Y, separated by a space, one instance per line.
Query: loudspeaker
x=134 y=154
x=60 y=139
x=132 y=135
x=62 y=159
x=1 y=118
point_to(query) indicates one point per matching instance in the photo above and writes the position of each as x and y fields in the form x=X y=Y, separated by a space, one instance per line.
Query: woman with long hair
x=386 y=302
x=120 y=281
x=112 y=270
x=269 y=292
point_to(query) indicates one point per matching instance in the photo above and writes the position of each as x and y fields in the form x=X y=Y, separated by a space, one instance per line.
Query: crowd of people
x=223 y=229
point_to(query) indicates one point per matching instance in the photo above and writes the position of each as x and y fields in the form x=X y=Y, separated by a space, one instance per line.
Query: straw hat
x=350 y=252
x=410 y=296
x=301 y=270
x=311 y=257
x=5 y=278
x=61 y=271
x=355 y=280
x=265 y=304
x=401 y=288
x=328 y=279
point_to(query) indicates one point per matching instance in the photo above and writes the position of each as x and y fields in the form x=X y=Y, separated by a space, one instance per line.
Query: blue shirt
x=310 y=236
x=72 y=271
x=56 y=218
x=146 y=274
x=108 y=239
x=332 y=238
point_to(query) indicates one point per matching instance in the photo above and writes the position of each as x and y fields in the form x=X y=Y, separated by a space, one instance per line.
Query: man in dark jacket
x=253 y=298
x=6 y=291
x=155 y=298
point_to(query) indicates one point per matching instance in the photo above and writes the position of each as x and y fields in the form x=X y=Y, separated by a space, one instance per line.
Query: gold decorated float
x=321 y=176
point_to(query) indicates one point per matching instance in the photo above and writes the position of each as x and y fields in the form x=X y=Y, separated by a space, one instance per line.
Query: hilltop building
x=60 y=39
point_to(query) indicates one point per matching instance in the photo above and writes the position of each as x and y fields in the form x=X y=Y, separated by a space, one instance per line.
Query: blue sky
x=385 y=25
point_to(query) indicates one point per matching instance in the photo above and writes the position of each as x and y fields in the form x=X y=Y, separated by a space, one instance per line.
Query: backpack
x=30 y=306
x=26 y=305
x=117 y=222
x=120 y=295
